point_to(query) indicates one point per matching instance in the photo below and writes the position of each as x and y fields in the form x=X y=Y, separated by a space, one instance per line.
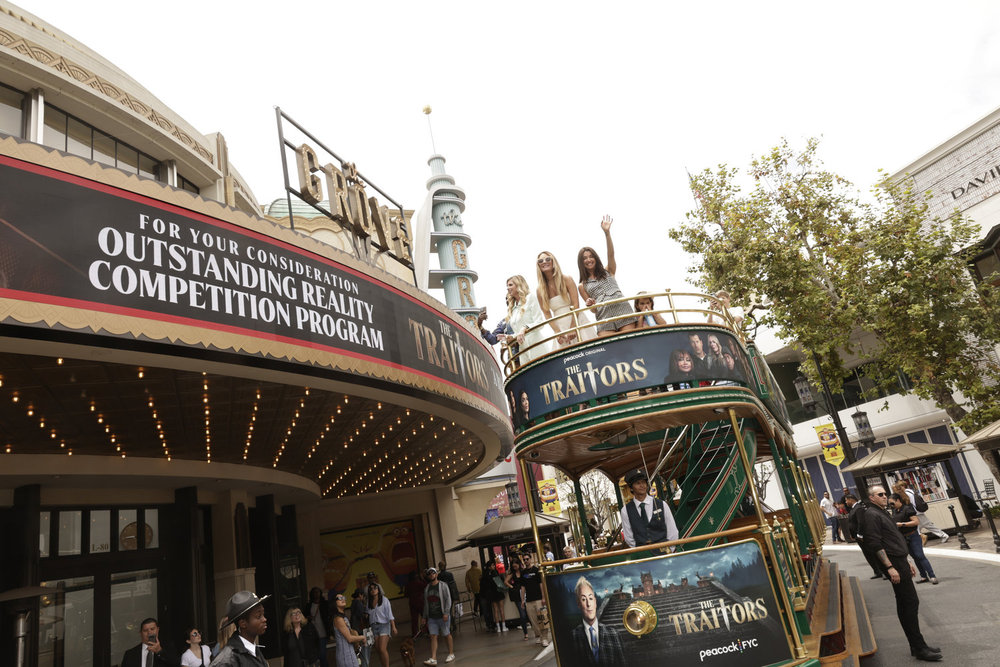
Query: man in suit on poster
x=593 y=643
x=150 y=652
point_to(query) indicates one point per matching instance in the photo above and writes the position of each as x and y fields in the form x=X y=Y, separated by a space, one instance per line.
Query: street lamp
x=513 y=497
x=865 y=434
x=804 y=391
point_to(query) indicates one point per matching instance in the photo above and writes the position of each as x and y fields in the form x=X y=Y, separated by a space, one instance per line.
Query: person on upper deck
x=645 y=519
x=644 y=304
x=557 y=295
x=598 y=284
x=523 y=314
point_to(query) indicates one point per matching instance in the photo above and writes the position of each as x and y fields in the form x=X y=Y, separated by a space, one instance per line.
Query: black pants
x=907 y=603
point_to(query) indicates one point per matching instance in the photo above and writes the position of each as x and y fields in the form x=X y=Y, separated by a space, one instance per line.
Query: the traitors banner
x=708 y=607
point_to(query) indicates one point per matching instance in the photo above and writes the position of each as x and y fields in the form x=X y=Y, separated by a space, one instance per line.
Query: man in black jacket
x=246 y=610
x=883 y=537
x=855 y=525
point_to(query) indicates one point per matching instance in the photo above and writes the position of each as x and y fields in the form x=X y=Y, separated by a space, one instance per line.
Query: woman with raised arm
x=523 y=314
x=557 y=295
x=598 y=284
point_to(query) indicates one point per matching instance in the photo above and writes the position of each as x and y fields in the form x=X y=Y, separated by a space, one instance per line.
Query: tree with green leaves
x=832 y=265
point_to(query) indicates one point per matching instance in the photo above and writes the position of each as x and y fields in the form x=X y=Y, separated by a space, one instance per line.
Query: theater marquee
x=73 y=243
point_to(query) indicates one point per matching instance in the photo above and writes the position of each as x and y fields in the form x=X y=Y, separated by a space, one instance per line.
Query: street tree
x=831 y=264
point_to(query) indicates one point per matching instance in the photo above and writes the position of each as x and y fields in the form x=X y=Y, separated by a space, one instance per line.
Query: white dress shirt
x=668 y=519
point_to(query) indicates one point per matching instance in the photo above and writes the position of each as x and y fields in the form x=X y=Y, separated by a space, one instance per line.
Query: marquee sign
x=67 y=241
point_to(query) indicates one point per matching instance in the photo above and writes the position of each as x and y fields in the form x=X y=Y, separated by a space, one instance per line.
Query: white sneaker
x=450 y=658
x=538 y=640
x=545 y=643
x=430 y=661
x=945 y=538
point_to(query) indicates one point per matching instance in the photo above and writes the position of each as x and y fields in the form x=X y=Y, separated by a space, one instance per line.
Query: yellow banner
x=833 y=452
x=549 y=495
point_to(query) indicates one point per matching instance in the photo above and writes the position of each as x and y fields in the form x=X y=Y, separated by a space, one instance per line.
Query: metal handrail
x=732 y=532
x=714 y=314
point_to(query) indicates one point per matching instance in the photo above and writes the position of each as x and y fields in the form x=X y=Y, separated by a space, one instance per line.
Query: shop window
x=917 y=436
x=79 y=138
x=896 y=440
x=100 y=531
x=151 y=517
x=127 y=159
x=66 y=623
x=104 y=148
x=185 y=184
x=54 y=135
x=70 y=529
x=133 y=596
x=11 y=111
x=44 y=534
x=940 y=435
x=128 y=530
x=989 y=265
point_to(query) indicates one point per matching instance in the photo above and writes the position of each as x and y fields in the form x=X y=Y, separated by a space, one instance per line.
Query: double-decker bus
x=687 y=402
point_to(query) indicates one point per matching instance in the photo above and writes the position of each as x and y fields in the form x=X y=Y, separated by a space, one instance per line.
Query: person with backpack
x=920 y=505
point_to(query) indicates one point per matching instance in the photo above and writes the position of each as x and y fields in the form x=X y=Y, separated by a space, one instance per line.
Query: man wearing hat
x=246 y=611
x=645 y=520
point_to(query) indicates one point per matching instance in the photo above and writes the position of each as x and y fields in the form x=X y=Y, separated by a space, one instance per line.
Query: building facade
x=196 y=398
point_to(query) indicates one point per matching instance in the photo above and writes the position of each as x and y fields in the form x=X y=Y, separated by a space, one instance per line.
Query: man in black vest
x=856 y=526
x=882 y=536
x=645 y=520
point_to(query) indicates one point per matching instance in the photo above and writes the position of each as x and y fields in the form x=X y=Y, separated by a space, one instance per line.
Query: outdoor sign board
x=70 y=242
x=666 y=359
x=713 y=606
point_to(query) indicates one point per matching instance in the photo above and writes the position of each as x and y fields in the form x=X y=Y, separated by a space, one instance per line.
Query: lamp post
x=805 y=393
x=866 y=436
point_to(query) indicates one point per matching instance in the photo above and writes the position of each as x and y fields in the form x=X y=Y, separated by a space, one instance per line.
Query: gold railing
x=683 y=308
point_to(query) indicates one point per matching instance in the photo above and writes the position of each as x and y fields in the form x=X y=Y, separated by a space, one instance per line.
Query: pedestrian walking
x=926 y=526
x=829 y=514
x=437 y=603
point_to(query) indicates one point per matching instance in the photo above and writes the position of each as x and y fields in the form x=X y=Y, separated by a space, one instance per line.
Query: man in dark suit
x=150 y=652
x=593 y=643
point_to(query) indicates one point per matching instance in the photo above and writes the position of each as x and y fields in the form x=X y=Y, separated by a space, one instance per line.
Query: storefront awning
x=513 y=528
x=985 y=438
x=903 y=456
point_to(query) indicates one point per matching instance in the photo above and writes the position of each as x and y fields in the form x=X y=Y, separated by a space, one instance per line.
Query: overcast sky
x=552 y=114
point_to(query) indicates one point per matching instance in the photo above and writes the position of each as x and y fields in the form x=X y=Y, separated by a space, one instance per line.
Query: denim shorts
x=381 y=629
x=438 y=626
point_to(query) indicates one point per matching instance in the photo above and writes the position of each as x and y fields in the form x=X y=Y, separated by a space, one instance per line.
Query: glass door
x=66 y=623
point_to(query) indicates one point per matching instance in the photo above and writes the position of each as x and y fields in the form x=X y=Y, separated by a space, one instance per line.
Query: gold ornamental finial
x=427 y=112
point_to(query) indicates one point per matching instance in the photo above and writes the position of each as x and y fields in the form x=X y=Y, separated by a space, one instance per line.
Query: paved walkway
x=961 y=615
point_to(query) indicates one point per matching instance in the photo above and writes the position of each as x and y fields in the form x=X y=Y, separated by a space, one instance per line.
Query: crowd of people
x=557 y=296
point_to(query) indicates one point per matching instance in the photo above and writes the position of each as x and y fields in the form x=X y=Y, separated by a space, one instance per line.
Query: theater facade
x=196 y=398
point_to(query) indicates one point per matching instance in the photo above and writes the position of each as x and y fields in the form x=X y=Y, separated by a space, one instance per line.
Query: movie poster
x=711 y=606
x=389 y=550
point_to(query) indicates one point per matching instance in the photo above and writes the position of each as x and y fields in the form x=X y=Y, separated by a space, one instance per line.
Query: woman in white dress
x=557 y=295
x=523 y=314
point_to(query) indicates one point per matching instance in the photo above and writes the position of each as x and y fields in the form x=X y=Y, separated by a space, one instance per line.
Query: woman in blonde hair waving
x=523 y=313
x=557 y=295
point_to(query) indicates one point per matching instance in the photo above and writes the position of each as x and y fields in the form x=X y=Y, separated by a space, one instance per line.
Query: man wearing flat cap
x=645 y=519
x=246 y=611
